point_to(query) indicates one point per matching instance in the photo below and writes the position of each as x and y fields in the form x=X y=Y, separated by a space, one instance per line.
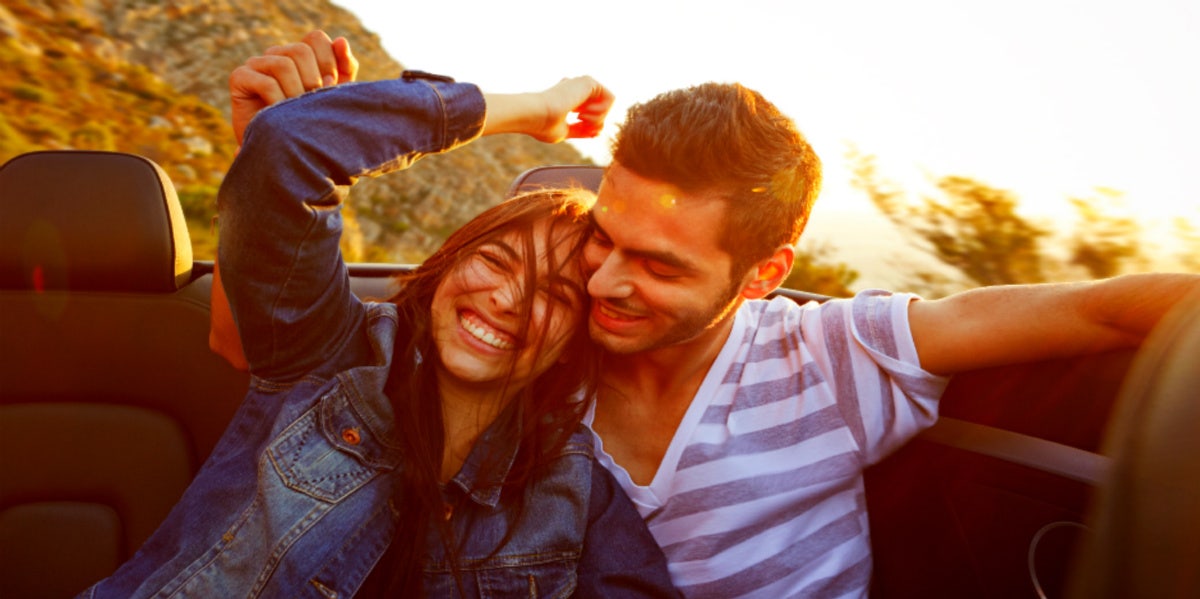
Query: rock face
x=149 y=76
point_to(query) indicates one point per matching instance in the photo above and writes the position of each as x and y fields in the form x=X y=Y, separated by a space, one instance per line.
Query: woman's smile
x=480 y=329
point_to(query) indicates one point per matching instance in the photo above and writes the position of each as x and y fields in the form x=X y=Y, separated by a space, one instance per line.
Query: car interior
x=110 y=400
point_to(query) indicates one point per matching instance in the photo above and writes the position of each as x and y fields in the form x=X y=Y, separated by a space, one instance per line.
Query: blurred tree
x=92 y=136
x=1105 y=243
x=973 y=227
x=199 y=202
x=814 y=273
x=1189 y=235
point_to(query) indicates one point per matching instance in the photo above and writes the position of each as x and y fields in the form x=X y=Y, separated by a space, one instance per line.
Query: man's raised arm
x=993 y=326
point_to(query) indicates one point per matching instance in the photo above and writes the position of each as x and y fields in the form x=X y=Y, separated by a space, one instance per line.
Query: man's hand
x=546 y=115
x=286 y=72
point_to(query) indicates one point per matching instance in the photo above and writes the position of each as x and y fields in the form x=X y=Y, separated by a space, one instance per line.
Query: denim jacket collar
x=364 y=426
x=471 y=479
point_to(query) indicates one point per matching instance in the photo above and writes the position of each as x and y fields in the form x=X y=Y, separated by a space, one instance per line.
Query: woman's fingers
x=589 y=101
x=347 y=64
x=294 y=65
x=324 y=55
x=288 y=71
x=316 y=61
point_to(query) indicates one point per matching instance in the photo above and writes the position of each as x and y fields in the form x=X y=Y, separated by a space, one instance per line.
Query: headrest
x=555 y=177
x=90 y=221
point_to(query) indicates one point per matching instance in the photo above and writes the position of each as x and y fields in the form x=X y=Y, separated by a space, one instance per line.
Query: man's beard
x=687 y=328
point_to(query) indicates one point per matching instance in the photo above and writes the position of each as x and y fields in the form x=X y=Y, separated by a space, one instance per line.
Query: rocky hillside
x=149 y=76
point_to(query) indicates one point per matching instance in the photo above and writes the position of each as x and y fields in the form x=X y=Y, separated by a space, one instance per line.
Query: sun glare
x=1038 y=97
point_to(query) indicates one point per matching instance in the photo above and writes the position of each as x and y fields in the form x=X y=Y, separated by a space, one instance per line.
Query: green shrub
x=29 y=93
x=199 y=202
x=43 y=130
x=92 y=136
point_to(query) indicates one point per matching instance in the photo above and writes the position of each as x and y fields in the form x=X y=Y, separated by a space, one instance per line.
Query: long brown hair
x=538 y=418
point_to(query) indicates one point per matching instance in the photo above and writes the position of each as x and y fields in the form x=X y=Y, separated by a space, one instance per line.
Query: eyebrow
x=669 y=259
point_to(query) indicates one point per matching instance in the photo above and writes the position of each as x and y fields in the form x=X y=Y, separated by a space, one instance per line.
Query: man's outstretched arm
x=993 y=326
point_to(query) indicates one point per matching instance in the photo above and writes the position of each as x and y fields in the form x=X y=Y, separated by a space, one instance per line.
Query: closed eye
x=498 y=257
x=599 y=238
x=662 y=271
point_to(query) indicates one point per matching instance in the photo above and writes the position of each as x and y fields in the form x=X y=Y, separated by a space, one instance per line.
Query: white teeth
x=483 y=335
x=609 y=312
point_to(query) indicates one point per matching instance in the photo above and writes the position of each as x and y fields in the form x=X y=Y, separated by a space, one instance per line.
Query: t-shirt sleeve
x=865 y=347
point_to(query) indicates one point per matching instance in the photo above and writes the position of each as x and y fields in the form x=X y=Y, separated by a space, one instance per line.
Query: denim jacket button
x=351 y=436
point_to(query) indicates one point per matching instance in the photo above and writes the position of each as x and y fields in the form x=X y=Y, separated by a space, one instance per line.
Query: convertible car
x=1069 y=478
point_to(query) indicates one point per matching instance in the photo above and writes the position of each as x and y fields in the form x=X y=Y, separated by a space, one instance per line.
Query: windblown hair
x=729 y=140
x=539 y=418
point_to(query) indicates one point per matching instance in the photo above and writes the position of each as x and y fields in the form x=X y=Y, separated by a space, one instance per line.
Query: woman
x=435 y=422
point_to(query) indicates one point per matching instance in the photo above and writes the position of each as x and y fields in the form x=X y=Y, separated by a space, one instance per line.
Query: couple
x=443 y=423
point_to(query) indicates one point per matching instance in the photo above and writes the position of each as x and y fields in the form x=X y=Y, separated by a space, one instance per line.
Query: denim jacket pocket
x=328 y=453
x=551 y=578
x=537 y=576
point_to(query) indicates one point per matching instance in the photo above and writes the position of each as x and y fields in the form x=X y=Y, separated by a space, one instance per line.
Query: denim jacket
x=297 y=498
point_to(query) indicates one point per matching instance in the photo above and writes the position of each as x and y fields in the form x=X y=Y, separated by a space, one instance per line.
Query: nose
x=610 y=278
x=505 y=297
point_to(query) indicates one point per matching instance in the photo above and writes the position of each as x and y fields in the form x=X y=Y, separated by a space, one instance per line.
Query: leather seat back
x=109 y=397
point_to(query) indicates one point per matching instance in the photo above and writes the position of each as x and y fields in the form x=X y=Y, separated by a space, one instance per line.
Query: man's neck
x=665 y=371
x=644 y=396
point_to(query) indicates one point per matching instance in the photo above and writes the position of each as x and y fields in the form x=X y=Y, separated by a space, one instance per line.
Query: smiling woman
x=430 y=426
x=487 y=333
x=494 y=303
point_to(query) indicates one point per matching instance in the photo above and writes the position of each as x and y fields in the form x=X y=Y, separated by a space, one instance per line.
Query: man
x=740 y=427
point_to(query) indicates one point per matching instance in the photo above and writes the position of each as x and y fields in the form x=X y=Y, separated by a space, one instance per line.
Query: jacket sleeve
x=620 y=558
x=280 y=207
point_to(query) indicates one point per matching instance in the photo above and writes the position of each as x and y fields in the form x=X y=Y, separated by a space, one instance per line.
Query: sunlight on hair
x=786 y=179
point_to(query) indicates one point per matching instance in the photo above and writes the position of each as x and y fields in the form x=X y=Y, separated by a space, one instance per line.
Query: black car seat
x=109 y=396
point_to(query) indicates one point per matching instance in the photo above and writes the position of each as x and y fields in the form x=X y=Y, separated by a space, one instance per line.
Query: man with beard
x=741 y=426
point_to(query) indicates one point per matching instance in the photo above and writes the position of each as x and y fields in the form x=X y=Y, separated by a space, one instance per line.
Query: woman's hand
x=582 y=96
x=547 y=115
x=287 y=71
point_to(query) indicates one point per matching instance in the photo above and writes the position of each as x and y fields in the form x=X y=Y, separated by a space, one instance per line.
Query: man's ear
x=769 y=274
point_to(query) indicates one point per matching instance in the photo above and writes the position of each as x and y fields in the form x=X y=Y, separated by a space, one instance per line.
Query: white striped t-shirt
x=760 y=493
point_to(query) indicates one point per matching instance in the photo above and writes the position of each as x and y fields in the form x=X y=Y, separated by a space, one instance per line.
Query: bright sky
x=1047 y=98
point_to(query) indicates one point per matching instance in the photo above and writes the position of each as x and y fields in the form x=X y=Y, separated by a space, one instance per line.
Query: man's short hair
x=727 y=139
